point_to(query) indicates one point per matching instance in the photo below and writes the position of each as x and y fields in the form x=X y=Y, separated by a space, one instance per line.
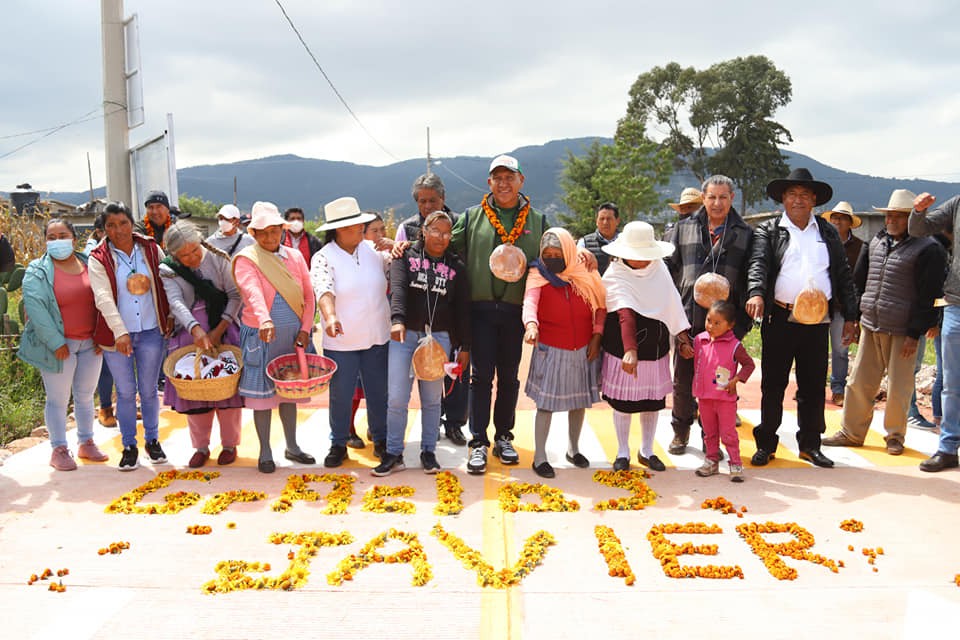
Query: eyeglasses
x=436 y=233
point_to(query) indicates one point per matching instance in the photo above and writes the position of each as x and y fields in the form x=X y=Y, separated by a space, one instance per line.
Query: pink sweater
x=258 y=293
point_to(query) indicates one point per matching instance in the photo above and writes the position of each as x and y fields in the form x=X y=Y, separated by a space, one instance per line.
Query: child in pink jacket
x=716 y=356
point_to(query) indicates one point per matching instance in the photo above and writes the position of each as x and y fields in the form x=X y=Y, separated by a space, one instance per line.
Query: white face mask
x=296 y=227
x=226 y=226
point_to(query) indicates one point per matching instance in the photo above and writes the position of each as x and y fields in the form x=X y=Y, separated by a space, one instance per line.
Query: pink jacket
x=258 y=293
x=725 y=352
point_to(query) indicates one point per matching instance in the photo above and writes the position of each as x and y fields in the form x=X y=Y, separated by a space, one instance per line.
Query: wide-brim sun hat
x=689 y=195
x=265 y=214
x=637 y=242
x=343 y=212
x=846 y=209
x=800 y=177
x=901 y=201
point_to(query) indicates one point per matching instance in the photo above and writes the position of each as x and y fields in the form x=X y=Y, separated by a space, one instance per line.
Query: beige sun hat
x=265 y=214
x=689 y=195
x=637 y=242
x=343 y=212
x=846 y=209
x=901 y=201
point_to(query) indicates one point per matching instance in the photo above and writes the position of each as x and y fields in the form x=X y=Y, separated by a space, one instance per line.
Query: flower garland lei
x=148 y=227
x=506 y=238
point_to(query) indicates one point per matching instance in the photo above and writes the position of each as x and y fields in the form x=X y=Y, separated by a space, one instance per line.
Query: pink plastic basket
x=319 y=372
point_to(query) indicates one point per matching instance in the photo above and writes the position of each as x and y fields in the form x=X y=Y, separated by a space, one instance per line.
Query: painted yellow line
x=874 y=449
x=500 y=609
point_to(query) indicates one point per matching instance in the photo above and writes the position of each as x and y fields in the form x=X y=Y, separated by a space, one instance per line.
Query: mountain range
x=290 y=180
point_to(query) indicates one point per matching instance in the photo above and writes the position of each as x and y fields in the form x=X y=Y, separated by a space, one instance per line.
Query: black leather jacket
x=770 y=243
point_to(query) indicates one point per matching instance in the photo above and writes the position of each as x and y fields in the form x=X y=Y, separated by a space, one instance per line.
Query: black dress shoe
x=653 y=462
x=302 y=457
x=454 y=435
x=940 y=461
x=266 y=466
x=336 y=456
x=816 y=457
x=621 y=464
x=544 y=470
x=578 y=460
x=762 y=457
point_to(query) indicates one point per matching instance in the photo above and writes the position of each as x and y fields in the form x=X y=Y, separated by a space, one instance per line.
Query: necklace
x=506 y=238
x=425 y=265
x=137 y=283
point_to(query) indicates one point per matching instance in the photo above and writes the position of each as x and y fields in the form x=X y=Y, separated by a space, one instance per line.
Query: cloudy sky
x=874 y=84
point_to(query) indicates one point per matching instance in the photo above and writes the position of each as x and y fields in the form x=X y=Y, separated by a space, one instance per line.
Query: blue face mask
x=60 y=249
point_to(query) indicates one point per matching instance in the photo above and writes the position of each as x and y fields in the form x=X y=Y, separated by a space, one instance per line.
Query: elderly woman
x=125 y=277
x=429 y=296
x=205 y=303
x=58 y=340
x=278 y=310
x=349 y=279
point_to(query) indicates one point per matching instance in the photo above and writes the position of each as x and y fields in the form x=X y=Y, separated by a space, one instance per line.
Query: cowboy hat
x=901 y=201
x=687 y=196
x=803 y=178
x=636 y=242
x=265 y=214
x=343 y=212
x=846 y=209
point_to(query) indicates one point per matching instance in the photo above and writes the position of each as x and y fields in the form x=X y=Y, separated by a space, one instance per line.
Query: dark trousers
x=497 y=346
x=454 y=404
x=684 y=404
x=784 y=343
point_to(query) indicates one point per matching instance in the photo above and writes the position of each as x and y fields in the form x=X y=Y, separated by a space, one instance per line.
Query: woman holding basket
x=204 y=302
x=278 y=308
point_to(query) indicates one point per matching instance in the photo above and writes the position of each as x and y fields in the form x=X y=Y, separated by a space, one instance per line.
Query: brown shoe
x=89 y=451
x=227 y=456
x=894 y=447
x=837 y=399
x=106 y=418
x=61 y=460
x=840 y=439
x=198 y=459
x=678 y=446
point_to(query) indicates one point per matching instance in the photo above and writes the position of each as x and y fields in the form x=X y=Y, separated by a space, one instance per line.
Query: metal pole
x=116 y=136
x=428 y=151
x=90 y=178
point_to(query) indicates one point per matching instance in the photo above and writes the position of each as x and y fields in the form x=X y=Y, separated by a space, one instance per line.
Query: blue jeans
x=105 y=388
x=371 y=365
x=936 y=393
x=399 y=385
x=138 y=372
x=79 y=376
x=497 y=330
x=950 y=425
x=839 y=355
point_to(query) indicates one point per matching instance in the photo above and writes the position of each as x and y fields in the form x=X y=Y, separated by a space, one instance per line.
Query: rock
x=40 y=432
x=24 y=443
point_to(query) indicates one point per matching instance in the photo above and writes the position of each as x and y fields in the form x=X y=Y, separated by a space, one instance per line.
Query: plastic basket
x=320 y=370
x=206 y=389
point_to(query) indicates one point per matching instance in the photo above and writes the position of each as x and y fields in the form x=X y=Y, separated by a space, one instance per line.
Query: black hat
x=804 y=178
x=157 y=197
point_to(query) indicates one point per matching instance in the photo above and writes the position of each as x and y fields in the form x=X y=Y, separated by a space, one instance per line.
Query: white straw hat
x=265 y=214
x=901 y=201
x=846 y=209
x=343 y=212
x=636 y=242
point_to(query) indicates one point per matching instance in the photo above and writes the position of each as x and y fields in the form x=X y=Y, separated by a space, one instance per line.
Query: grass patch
x=753 y=344
x=21 y=397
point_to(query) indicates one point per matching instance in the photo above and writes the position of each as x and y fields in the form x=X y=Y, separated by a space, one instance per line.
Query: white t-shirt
x=358 y=283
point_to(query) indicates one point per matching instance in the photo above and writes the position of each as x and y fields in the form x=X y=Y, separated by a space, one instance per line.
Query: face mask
x=60 y=249
x=226 y=226
x=554 y=265
x=296 y=226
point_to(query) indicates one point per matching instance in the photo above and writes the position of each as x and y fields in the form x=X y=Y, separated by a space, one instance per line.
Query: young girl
x=563 y=312
x=716 y=354
x=643 y=310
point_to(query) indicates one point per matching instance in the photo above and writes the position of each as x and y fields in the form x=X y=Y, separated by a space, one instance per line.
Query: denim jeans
x=936 y=393
x=839 y=354
x=950 y=425
x=105 y=388
x=138 y=372
x=497 y=346
x=400 y=383
x=79 y=376
x=371 y=365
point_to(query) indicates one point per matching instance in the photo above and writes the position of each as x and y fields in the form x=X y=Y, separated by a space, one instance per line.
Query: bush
x=21 y=397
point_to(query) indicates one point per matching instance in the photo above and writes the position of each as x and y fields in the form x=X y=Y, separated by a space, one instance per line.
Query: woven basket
x=320 y=370
x=204 y=390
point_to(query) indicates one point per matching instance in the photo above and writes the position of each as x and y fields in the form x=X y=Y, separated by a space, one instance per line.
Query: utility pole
x=429 y=161
x=116 y=135
x=90 y=178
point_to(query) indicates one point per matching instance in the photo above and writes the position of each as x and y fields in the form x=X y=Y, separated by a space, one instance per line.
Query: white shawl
x=649 y=291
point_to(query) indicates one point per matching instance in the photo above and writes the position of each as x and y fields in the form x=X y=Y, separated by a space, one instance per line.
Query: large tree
x=718 y=120
x=626 y=172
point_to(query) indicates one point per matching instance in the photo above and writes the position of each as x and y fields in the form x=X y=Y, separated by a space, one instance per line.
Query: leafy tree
x=626 y=172
x=198 y=206
x=719 y=120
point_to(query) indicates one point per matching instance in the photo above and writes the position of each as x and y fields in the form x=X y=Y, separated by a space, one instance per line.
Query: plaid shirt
x=695 y=255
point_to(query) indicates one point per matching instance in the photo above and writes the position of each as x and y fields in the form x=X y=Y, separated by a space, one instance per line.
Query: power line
x=52 y=130
x=462 y=179
x=330 y=82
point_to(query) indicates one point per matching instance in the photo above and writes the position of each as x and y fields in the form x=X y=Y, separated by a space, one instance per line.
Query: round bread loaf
x=811 y=306
x=428 y=361
x=508 y=263
x=709 y=288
